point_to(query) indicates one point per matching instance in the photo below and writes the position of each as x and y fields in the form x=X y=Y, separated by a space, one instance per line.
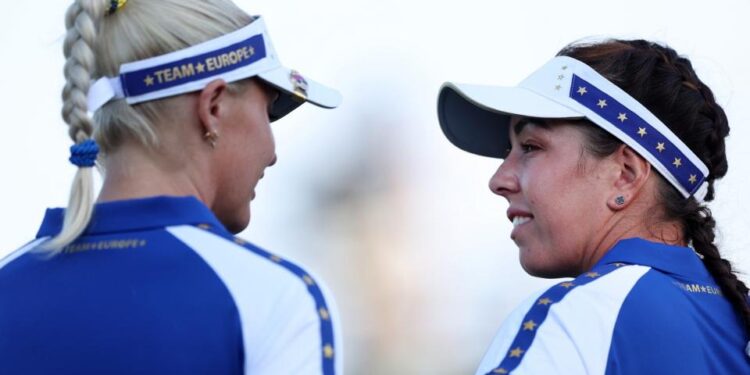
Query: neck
x=136 y=172
x=626 y=224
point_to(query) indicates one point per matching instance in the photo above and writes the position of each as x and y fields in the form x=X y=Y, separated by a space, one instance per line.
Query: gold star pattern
x=149 y=80
x=567 y=285
x=560 y=77
x=582 y=90
x=677 y=162
x=324 y=313
x=660 y=146
x=516 y=352
x=622 y=117
x=276 y=258
x=204 y=226
x=642 y=132
x=529 y=326
x=545 y=301
x=239 y=241
x=693 y=179
x=308 y=280
x=328 y=351
x=558 y=87
x=200 y=68
x=500 y=371
x=602 y=103
x=565 y=67
x=593 y=275
x=619 y=264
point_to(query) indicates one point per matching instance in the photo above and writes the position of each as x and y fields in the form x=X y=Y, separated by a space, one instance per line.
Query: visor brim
x=291 y=97
x=475 y=118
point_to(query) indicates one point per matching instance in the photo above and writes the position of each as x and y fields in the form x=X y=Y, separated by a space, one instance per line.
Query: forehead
x=518 y=124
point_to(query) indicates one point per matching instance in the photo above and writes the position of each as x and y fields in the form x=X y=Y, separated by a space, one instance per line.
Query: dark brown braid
x=667 y=85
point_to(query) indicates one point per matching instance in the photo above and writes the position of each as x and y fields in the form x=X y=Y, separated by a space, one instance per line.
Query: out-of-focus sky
x=371 y=196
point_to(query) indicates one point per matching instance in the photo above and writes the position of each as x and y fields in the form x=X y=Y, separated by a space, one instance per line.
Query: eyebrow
x=523 y=121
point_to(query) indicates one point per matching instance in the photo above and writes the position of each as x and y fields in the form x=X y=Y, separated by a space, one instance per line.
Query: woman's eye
x=528 y=147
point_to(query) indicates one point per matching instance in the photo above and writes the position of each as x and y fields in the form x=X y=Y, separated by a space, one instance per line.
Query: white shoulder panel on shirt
x=576 y=335
x=280 y=322
x=14 y=255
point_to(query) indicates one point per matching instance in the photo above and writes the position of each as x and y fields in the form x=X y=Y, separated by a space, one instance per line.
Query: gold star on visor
x=602 y=103
x=642 y=132
x=693 y=179
x=622 y=117
x=582 y=90
x=677 y=162
x=149 y=80
x=660 y=146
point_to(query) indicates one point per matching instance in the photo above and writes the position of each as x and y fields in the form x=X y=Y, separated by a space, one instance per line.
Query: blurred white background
x=371 y=196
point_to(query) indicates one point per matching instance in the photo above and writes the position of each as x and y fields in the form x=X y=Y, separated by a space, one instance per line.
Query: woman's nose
x=504 y=182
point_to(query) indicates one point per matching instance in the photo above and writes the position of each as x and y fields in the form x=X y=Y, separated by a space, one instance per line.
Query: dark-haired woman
x=611 y=151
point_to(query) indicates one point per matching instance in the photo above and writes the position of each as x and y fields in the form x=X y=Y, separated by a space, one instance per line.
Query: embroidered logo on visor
x=194 y=68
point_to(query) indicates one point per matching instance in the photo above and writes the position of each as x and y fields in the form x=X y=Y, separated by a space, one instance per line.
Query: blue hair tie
x=84 y=154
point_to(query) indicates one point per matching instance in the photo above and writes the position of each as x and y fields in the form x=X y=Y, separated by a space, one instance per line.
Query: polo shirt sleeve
x=566 y=329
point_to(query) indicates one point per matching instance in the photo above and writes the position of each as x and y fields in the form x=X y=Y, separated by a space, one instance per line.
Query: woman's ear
x=632 y=174
x=212 y=106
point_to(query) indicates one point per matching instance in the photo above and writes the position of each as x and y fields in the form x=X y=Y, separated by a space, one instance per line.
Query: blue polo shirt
x=645 y=308
x=159 y=286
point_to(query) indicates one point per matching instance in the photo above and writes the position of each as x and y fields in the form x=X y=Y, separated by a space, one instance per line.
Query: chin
x=543 y=267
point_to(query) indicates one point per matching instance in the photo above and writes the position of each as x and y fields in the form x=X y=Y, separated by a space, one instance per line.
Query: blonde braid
x=80 y=20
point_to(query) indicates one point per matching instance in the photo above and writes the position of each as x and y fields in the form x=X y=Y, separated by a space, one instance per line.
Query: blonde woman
x=150 y=279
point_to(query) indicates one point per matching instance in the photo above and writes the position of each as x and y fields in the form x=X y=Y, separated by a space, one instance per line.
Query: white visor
x=241 y=54
x=476 y=118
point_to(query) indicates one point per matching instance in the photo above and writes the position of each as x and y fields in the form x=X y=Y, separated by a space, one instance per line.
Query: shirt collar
x=678 y=260
x=136 y=214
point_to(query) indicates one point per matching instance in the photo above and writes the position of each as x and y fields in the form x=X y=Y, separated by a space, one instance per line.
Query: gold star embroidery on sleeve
x=567 y=285
x=308 y=280
x=328 y=351
x=693 y=179
x=500 y=371
x=602 y=103
x=642 y=132
x=622 y=117
x=593 y=275
x=529 y=326
x=619 y=264
x=660 y=146
x=677 y=162
x=239 y=241
x=324 y=313
x=516 y=352
x=545 y=301
x=276 y=258
x=149 y=80
x=582 y=90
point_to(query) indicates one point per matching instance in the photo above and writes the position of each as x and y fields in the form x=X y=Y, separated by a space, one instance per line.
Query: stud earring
x=211 y=137
x=620 y=200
